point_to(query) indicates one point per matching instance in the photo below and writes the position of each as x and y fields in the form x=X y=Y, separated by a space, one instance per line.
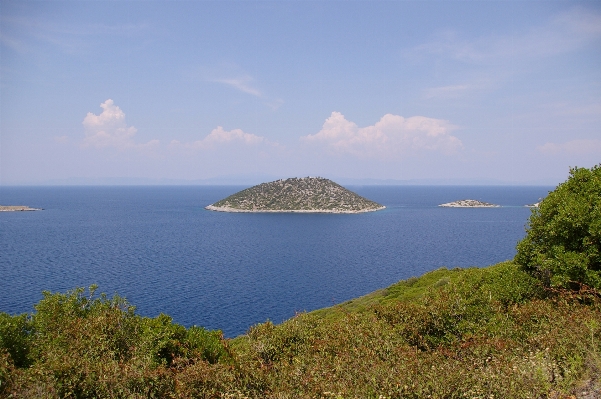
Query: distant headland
x=17 y=208
x=469 y=203
x=302 y=195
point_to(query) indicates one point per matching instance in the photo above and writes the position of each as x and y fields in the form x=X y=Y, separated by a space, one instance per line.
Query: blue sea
x=164 y=252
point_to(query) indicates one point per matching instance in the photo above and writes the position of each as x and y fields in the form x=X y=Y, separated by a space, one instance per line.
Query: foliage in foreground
x=475 y=333
x=78 y=345
x=563 y=244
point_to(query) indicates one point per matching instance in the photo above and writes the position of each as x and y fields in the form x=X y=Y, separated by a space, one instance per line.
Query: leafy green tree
x=563 y=242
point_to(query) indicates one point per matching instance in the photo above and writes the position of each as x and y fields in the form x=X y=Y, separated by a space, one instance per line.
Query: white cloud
x=235 y=77
x=227 y=152
x=110 y=130
x=573 y=147
x=242 y=83
x=221 y=138
x=229 y=74
x=391 y=137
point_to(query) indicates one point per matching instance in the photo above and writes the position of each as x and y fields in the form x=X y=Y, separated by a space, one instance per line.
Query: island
x=17 y=208
x=469 y=203
x=306 y=194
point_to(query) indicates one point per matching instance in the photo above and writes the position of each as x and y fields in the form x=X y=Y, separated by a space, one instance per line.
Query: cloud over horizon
x=393 y=136
x=573 y=147
x=219 y=136
x=110 y=130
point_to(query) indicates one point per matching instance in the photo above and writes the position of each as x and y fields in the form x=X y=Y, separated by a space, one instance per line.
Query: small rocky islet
x=469 y=203
x=305 y=194
x=17 y=208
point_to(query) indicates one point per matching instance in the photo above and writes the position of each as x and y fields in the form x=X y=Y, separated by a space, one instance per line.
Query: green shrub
x=7 y=369
x=563 y=241
x=15 y=338
x=485 y=332
x=207 y=345
x=75 y=323
x=161 y=341
x=504 y=283
x=86 y=346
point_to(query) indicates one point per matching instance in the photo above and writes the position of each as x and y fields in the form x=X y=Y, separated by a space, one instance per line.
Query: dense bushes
x=563 y=244
x=491 y=332
x=485 y=333
x=78 y=345
x=15 y=333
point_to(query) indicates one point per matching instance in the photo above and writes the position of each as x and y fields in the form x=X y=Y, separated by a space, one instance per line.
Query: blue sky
x=496 y=91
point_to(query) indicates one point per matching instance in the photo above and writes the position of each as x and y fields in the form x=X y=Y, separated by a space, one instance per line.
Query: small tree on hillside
x=563 y=241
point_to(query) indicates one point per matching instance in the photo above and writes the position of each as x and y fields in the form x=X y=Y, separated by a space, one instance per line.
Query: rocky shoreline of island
x=469 y=203
x=296 y=195
x=235 y=210
x=17 y=208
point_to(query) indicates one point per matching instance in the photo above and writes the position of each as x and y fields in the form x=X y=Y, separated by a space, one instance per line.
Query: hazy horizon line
x=238 y=180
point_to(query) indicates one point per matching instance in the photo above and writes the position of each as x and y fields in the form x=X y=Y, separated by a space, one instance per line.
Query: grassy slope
x=491 y=332
x=478 y=333
x=404 y=290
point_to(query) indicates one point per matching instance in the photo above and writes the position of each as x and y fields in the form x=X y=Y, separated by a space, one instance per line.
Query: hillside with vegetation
x=529 y=328
x=306 y=194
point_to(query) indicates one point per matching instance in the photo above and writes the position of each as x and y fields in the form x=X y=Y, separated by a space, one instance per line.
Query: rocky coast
x=234 y=210
x=469 y=203
x=17 y=208
x=296 y=195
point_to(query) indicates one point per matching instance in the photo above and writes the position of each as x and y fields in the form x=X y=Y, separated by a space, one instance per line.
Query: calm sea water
x=160 y=249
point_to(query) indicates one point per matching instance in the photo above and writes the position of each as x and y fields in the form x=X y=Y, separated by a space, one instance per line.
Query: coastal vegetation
x=490 y=332
x=518 y=329
x=563 y=245
x=306 y=194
